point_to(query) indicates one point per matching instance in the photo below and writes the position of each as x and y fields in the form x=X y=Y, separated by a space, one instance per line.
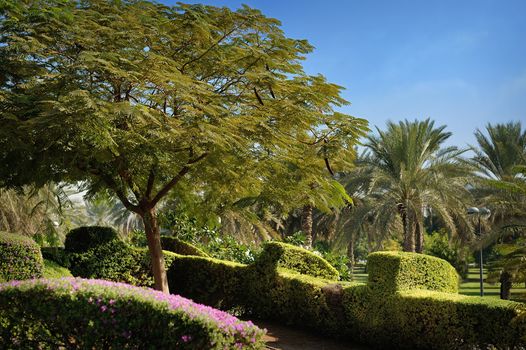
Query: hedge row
x=421 y=319
x=85 y=314
x=20 y=257
x=404 y=319
x=54 y=270
x=175 y=245
x=287 y=256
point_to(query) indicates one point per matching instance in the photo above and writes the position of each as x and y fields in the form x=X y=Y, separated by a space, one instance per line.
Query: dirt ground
x=284 y=338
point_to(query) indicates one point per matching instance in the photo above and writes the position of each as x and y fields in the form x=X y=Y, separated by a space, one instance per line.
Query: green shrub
x=20 y=257
x=283 y=255
x=54 y=270
x=398 y=271
x=420 y=319
x=116 y=261
x=175 y=245
x=55 y=254
x=94 y=314
x=82 y=239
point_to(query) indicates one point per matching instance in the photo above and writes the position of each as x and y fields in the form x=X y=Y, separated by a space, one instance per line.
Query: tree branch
x=184 y=170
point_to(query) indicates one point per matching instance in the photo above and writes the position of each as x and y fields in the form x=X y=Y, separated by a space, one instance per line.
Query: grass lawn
x=470 y=286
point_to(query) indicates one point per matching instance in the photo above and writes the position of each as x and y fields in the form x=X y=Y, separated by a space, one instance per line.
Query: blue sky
x=461 y=63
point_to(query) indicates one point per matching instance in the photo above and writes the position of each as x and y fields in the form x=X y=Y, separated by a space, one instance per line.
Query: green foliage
x=82 y=239
x=116 y=261
x=94 y=314
x=54 y=270
x=439 y=245
x=397 y=271
x=410 y=319
x=339 y=261
x=20 y=257
x=178 y=246
x=283 y=255
x=55 y=254
x=420 y=319
x=229 y=248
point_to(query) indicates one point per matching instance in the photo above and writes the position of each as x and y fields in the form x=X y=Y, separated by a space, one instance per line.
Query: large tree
x=407 y=173
x=143 y=99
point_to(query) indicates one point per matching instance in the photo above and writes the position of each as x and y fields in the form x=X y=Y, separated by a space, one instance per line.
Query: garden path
x=284 y=338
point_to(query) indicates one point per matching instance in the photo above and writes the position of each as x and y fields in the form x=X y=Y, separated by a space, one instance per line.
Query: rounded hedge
x=83 y=238
x=85 y=314
x=287 y=256
x=20 y=257
x=175 y=245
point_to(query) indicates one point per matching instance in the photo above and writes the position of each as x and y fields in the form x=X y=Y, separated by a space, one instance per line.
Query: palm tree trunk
x=306 y=225
x=153 y=234
x=505 y=285
x=350 y=252
x=409 y=234
x=419 y=238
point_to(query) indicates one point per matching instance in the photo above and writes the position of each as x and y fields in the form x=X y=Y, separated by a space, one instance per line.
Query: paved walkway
x=285 y=338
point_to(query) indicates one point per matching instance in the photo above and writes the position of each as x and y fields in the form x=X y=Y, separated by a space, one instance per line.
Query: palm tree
x=406 y=173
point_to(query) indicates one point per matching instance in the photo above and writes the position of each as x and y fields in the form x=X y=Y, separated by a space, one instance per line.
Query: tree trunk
x=505 y=285
x=306 y=225
x=409 y=236
x=419 y=238
x=153 y=235
x=350 y=253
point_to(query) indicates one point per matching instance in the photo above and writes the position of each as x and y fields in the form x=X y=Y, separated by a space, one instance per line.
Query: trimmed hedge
x=421 y=319
x=404 y=319
x=86 y=314
x=55 y=254
x=83 y=238
x=398 y=271
x=20 y=257
x=175 y=245
x=54 y=270
x=116 y=261
x=287 y=256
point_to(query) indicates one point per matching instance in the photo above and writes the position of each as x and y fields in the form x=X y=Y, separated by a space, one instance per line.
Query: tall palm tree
x=406 y=173
x=500 y=160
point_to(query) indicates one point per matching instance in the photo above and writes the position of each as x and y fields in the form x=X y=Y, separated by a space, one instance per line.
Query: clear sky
x=459 y=62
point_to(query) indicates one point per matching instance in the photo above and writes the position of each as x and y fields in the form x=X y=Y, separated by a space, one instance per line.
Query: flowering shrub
x=77 y=313
x=20 y=257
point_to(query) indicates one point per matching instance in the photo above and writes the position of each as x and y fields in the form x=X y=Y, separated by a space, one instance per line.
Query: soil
x=285 y=338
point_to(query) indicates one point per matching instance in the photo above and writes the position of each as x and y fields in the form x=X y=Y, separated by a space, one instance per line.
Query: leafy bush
x=83 y=238
x=438 y=244
x=20 y=257
x=55 y=254
x=339 y=261
x=283 y=255
x=420 y=319
x=407 y=318
x=175 y=245
x=86 y=314
x=229 y=248
x=116 y=261
x=397 y=271
x=54 y=270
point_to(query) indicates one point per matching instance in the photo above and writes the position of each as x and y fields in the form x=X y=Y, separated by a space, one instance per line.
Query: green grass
x=469 y=286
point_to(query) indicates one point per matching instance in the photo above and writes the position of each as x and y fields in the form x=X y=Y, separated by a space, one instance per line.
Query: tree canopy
x=142 y=99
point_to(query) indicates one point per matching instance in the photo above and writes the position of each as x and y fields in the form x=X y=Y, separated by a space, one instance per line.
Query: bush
x=397 y=271
x=420 y=319
x=116 y=261
x=54 y=270
x=86 y=314
x=388 y=318
x=283 y=255
x=82 y=239
x=20 y=257
x=55 y=254
x=439 y=245
x=175 y=245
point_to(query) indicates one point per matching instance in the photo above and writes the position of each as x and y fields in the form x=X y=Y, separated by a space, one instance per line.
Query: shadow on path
x=285 y=338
